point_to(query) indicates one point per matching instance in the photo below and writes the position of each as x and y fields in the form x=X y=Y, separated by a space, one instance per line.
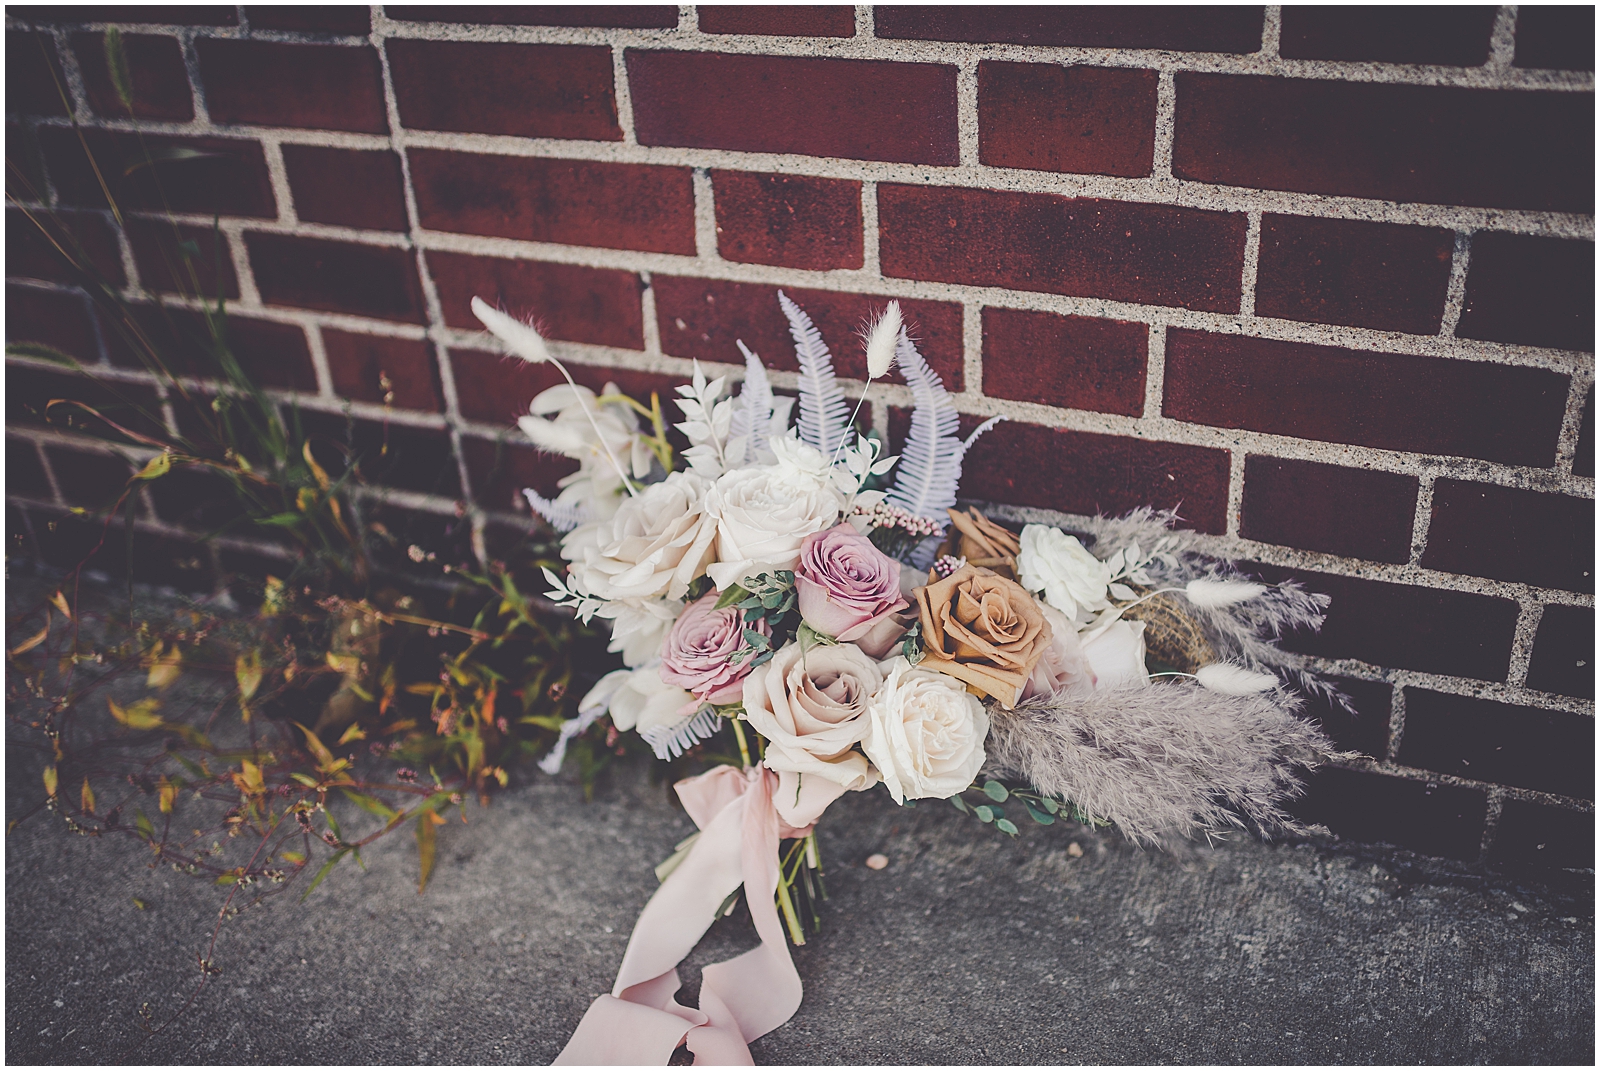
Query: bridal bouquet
x=831 y=604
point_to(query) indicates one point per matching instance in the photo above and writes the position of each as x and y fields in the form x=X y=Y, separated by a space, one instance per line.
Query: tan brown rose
x=983 y=543
x=982 y=629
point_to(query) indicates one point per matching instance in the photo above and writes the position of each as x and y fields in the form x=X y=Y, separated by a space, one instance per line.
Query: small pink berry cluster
x=884 y=515
x=947 y=565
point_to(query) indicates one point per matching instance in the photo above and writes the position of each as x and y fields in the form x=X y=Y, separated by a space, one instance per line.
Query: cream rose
x=762 y=516
x=811 y=705
x=1116 y=655
x=655 y=544
x=1072 y=580
x=927 y=733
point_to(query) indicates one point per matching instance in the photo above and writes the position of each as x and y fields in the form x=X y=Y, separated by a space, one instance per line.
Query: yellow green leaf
x=318 y=748
x=140 y=904
x=427 y=843
x=316 y=469
x=247 y=671
x=293 y=857
x=157 y=466
x=353 y=733
x=87 y=796
x=35 y=640
x=50 y=780
x=249 y=781
x=59 y=601
x=168 y=796
x=165 y=666
x=140 y=715
x=275 y=597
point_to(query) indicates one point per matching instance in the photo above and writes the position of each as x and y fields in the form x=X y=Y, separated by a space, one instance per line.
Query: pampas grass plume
x=1214 y=594
x=1230 y=679
x=881 y=341
x=521 y=339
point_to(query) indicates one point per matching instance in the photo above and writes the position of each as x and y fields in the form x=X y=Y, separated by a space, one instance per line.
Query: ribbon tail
x=620 y=1033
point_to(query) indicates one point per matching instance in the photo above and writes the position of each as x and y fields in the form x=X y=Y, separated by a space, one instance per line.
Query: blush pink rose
x=849 y=589
x=1064 y=668
x=698 y=654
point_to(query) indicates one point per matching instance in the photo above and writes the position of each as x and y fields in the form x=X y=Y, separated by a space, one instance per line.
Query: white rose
x=1116 y=655
x=1072 y=580
x=638 y=627
x=762 y=516
x=927 y=733
x=638 y=699
x=593 y=435
x=655 y=544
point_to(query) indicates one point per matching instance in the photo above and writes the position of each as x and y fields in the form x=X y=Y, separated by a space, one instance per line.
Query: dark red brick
x=1548 y=750
x=1366 y=729
x=1150 y=254
x=599 y=306
x=1344 y=271
x=1454 y=633
x=1563 y=652
x=29 y=392
x=1443 y=35
x=1530 y=290
x=703 y=318
x=496 y=389
x=154 y=14
x=25 y=165
x=1089 y=120
x=573 y=202
x=1510 y=534
x=1081 y=472
x=156 y=74
x=1175 y=29
x=56 y=318
x=25 y=472
x=500 y=468
x=1426 y=817
x=35 y=241
x=358 y=363
x=271 y=354
x=1069 y=361
x=392 y=530
x=197 y=498
x=92 y=480
x=325 y=87
x=1535 y=835
x=229 y=177
x=34 y=82
x=1552 y=36
x=795 y=221
x=1583 y=450
x=1356 y=513
x=1389 y=401
x=329 y=18
x=313 y=273
x=779 y=20
x=1434 y=144
x=179 y=258
x=531 y=91
x=857 y=109
x=634 y=17
x=347 y=187
x=395 y=455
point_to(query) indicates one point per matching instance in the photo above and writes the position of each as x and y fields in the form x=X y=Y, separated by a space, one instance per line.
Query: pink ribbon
x=740 y=999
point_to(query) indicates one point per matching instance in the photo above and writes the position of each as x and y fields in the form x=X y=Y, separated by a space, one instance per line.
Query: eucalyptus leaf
x=733 y=594
x=995 y=791
x=1005 y=825
x=984 y=812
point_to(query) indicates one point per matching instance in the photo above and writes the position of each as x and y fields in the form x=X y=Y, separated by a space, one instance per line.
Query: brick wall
x=1320 y=278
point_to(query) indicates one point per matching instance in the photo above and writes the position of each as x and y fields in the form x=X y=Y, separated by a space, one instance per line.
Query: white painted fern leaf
x=930 y=463
x=562 y=516
x=824 y=415
x=670 y=741
x=752 y=417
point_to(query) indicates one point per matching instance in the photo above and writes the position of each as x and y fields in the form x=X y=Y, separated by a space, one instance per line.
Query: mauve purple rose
x=849 y=589
x=698 y=652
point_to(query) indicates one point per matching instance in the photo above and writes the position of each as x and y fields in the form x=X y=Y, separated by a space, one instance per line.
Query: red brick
x=358 y=363
x=25 y=165
x=1366 y=729
x=87 y=236
x=500 y=468
x=1563 y=652
x=1359 y=805
x=347 y=187
x=34 y=81
x=1089 y=120
x=1551 y=36
x=633 y=17
x=1081 y=472
x=1434 y=144
x=230 y=177
x=92 y=480
x=1174 y=29
x=1453 y=633
x=396 y=455
x=1391 y=401
x=1343 y=271
x=59 y=319
x=1547 y=750
x=29 y=392
x=857 y=109
x=1532 y=835
x=531 y=91
x=196 y=498
x=1506 y=533
x=573 y=202
x=392 y=530
x=164 y=266
x=271 y=354
x=1069 y=361
x=779 y=20
x=313 y=273
x=1357 y=513
x=702 y=318
x=155 y=14
x=1530 y=290
x=1150 y=254
x=790 y=220
x=156 y=74
x=1442 y=35
x=25 y=474
x=325 y=87
x=1583 y=452
x=496 y=389
x=599 y=306
x=330 y=18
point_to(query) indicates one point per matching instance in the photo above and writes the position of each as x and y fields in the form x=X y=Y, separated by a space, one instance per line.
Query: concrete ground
x=967 y=948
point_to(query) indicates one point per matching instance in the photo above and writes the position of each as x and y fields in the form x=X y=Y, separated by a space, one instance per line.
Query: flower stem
x=796 y=933
x=744 y=748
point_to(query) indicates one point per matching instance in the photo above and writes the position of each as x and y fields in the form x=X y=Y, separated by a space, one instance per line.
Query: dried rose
x=983 y=543
x=849 y=589
x=984 y=630
x=698 y=654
